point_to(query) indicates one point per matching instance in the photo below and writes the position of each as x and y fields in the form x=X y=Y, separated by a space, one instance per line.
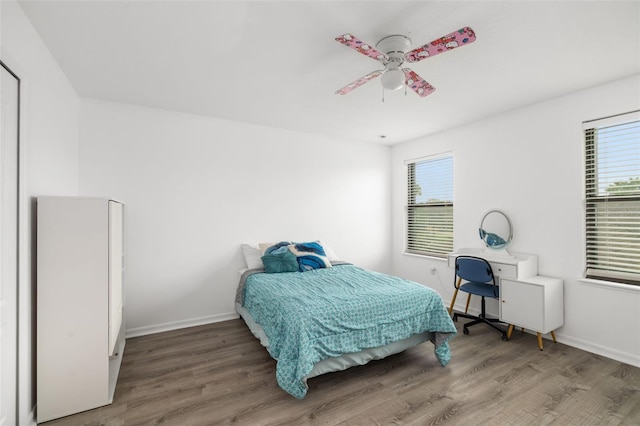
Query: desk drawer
x=503 y=270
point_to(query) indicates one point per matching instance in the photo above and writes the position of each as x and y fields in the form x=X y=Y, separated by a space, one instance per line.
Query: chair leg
x=455 y=294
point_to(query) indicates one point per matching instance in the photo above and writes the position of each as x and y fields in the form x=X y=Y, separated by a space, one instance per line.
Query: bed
x=331 y=318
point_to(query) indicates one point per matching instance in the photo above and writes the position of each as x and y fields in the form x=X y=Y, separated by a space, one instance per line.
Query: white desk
x=526 y=299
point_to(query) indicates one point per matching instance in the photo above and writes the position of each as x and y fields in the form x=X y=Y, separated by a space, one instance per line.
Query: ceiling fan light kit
x=393 y=79
x=392 y=51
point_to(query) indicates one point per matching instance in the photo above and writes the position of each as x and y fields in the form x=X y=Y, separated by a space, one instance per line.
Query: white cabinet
x=534 y=303
x=80 y=310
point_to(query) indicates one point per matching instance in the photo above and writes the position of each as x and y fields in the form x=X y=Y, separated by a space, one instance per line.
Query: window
x=430 y=206
x=612 y=189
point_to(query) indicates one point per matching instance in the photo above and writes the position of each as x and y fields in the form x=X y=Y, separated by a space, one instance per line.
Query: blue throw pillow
x=280 y=261
x=310 y=256
x=277 y=247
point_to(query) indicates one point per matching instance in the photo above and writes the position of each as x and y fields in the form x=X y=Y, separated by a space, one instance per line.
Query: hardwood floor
x=218 y=374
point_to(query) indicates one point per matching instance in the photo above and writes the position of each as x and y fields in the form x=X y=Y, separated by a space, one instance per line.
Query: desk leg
x=466 y=308
x=553 y=336
x=509 y=331
x=540 y=341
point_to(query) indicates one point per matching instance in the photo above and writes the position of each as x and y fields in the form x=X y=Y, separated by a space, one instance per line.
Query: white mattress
x=344 y=361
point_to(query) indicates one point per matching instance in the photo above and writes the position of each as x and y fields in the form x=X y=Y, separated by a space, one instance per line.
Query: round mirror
x=496 y=231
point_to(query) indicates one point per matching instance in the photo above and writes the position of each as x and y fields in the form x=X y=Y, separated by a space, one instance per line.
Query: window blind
x=612 y=190
x=430 y=206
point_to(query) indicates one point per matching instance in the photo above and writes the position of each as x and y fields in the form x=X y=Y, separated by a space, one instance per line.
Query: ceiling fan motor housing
x=394 y=46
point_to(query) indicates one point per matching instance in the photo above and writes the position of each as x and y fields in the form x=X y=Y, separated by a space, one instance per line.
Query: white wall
x=49 y=164
x=195 y=188
x=529 y=163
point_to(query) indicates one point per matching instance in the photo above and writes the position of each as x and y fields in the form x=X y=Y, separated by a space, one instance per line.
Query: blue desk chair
x=480 y=281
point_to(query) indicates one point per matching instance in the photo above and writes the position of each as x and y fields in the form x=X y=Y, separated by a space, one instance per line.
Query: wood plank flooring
x=218 y=374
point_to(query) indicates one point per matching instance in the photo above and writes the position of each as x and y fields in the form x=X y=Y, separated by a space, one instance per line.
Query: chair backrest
x=475 y=269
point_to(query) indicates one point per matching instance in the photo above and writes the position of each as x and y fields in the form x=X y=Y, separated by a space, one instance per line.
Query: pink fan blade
x=359 y=82
x=417 y=83
x=456 y=39
x=366 y=49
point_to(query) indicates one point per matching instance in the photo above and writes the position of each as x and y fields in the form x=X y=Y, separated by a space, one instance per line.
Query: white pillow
x=331 y=256
x=264 y=246
x=252 y=255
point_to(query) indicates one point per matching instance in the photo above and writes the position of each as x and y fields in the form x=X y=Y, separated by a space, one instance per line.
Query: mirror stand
x=497 y=252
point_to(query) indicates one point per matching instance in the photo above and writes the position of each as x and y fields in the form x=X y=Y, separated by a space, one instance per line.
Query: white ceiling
x=277 y=63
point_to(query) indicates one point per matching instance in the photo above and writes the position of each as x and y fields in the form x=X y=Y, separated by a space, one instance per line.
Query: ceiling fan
x=393 y=51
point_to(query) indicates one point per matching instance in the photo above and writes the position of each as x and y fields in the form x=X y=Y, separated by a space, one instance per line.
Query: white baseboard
x=168 y=326
x=627 y=358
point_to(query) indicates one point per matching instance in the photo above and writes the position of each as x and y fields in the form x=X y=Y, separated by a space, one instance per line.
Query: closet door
x=9 y=141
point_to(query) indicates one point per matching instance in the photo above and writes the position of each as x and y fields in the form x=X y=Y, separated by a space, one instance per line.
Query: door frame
x=11 y=415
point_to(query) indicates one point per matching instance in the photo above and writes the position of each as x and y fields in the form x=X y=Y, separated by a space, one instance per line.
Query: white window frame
x=441 y=247
x=606 y=264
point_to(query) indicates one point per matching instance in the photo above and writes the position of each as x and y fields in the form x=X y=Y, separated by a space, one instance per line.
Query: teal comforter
x=313 y=315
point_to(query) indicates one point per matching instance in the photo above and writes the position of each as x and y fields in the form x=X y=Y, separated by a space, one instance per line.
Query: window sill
x=425 y=256
x=610 y=285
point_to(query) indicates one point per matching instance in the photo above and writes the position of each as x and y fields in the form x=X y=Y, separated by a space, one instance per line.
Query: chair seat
x=479 y=289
